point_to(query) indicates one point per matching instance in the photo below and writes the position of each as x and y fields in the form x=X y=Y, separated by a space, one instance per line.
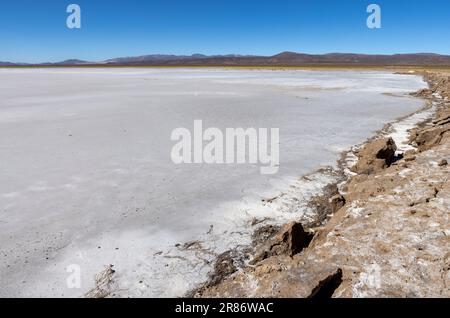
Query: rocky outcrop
x=337 y=202
x=327 y=287
x=434 y=134
x=439 y=86
x=290 y=240
x=375 y=156
x=389 y=235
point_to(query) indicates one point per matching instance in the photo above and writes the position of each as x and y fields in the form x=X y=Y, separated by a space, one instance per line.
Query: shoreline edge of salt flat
x=199 y=266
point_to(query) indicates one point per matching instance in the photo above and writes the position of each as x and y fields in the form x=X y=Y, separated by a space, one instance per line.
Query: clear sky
x=36 y=31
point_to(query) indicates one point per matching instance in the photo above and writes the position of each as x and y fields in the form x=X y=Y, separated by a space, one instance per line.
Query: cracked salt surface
x=87 y=177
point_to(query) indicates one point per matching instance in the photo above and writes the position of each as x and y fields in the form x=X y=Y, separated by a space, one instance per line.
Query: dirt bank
x=387 y=232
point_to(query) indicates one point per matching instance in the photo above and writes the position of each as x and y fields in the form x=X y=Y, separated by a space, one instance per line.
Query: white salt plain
x=86 y=176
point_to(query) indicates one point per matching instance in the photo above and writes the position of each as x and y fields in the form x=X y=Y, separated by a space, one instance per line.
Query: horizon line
x=205 y=56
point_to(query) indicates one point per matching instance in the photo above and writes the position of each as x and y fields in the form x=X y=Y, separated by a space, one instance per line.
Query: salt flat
x=86 y=176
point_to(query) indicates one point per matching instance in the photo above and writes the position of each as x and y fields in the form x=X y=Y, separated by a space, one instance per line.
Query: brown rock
x=327 y=286
x=337 y=202
x=442 y=163
x=375 y=156
x=290 y=240
x=443 y=120
x=430 y=137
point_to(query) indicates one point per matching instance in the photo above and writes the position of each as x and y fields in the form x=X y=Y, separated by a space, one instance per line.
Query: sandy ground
x=86 y=176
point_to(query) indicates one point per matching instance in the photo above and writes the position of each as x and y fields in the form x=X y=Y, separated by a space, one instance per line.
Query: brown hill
x=282 y=59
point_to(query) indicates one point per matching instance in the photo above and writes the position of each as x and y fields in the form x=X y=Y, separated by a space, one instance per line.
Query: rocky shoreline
x=382 y=231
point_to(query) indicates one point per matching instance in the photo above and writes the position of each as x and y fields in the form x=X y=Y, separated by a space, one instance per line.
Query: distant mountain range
x=282 y=59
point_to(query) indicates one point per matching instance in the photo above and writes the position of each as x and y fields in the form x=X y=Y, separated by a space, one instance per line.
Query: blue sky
x=35 y=30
